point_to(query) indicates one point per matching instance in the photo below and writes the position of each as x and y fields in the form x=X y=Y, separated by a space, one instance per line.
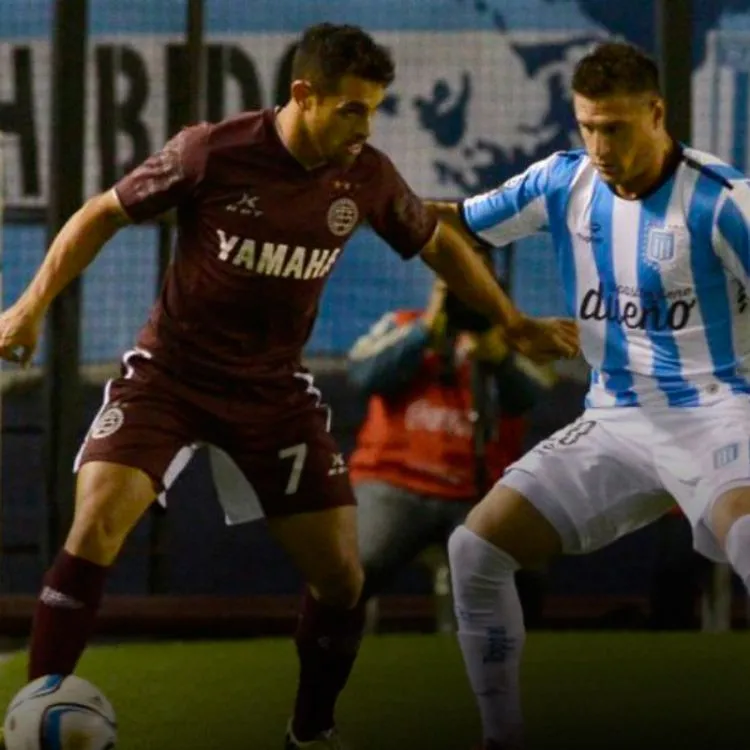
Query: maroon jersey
x=258 y=234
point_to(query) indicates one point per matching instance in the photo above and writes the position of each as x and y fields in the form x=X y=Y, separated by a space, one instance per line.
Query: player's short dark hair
x=327 y=52
x=616 y=68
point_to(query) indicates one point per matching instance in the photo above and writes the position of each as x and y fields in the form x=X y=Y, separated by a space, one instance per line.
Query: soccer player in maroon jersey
x=265 y=201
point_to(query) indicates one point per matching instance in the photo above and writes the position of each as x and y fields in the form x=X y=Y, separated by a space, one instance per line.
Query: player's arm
x=515 y=209
x=731 y=233
x=73 y=249
x=410 y=227
x=388 y=357
x=467 y=276
x=520 y=383
x=158 y=184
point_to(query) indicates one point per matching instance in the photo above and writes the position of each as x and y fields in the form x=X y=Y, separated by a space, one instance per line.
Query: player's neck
x=292 y=134
x=660 y=167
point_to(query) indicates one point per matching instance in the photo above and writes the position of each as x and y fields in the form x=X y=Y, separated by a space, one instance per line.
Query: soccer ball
x=60 y=713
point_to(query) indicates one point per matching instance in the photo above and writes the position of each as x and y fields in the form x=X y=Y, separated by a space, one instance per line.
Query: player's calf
x=490 y=630
x=323 y=545
x=110 y=499
x=501 y=534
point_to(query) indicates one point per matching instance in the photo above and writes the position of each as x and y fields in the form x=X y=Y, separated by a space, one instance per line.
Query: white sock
x=490 y=630
x=738 y=548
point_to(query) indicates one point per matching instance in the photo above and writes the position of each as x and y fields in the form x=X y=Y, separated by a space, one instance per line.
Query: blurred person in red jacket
x=447 y=401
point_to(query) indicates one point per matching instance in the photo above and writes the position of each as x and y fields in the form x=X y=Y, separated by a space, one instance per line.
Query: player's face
x=339 y=124
x=622 y=134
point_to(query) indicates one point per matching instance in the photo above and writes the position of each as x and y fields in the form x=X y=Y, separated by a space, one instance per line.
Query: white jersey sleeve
x=731 y=231
x=515 y=209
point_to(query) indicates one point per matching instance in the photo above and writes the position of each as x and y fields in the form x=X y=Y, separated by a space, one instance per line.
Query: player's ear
x=659 y=112
x=302 y=94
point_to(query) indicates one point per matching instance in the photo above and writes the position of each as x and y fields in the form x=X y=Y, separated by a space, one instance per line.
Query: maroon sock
x=65 y=614
x=327 y=642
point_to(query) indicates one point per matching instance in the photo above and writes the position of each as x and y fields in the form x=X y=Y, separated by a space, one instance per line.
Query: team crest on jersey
x=108 y=422
x=661 y=246
x=342 y=216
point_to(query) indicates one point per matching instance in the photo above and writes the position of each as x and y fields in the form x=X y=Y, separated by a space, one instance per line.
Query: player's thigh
x=707 y=467
x=575 y=492
x=394 y=526
x=506 y=519
x=136 y=446
x=323 y=546
x=145 y=426
x=302 y=483
x=110 y=499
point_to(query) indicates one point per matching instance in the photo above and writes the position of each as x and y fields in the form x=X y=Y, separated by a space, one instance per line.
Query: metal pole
x=66 y=190
x=195 y=54
x=158 y=572
x=674 y=51
x=2 y=420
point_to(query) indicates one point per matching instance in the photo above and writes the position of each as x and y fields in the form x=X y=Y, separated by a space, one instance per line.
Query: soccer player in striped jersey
x=652 y=241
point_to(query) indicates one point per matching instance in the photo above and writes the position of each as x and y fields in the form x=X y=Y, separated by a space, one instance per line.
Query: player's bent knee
x=728 y=508
x=95 y=537
x=509 y=521
x=340 y=587
x=109 y=501
x=478 y=567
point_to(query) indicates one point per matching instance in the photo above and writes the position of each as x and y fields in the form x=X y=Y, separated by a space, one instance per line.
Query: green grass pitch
x=581 y=690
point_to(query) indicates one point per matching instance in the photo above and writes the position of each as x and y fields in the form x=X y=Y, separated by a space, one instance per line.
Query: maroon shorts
x=275 y=433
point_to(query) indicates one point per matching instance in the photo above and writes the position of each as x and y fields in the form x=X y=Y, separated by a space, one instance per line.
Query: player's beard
x=342 y=157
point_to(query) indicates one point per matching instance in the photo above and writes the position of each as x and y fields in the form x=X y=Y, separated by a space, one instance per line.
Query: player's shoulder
x=240 y=131
x=720 y=186
x=558 y=170
x=572 y=156
x=714 y=169
x=372 y=162
x=562 y=167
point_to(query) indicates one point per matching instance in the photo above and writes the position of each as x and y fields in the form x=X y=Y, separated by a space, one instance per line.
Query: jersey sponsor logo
x=671 y=315
x=270 y=259
x=342 y=216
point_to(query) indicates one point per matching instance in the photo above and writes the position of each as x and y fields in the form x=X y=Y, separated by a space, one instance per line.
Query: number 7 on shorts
x=299 y=454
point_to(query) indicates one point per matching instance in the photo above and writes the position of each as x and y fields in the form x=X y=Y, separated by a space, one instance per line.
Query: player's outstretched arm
x=72 y=250
x=450 y=213
x=453 y=258
x=461 y=267
x=511 y=211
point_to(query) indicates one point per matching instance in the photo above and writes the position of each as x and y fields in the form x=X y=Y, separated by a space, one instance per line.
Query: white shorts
x=615 y=470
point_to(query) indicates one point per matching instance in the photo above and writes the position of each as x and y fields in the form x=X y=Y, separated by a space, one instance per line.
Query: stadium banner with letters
x=451 y=122
x=482 y=90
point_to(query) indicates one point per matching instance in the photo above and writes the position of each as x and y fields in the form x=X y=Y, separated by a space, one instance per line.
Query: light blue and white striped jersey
x=658 y=285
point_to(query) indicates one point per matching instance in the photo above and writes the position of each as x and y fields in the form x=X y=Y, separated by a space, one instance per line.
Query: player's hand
x=490 y=346
x=545 y=339
x=19 y=334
